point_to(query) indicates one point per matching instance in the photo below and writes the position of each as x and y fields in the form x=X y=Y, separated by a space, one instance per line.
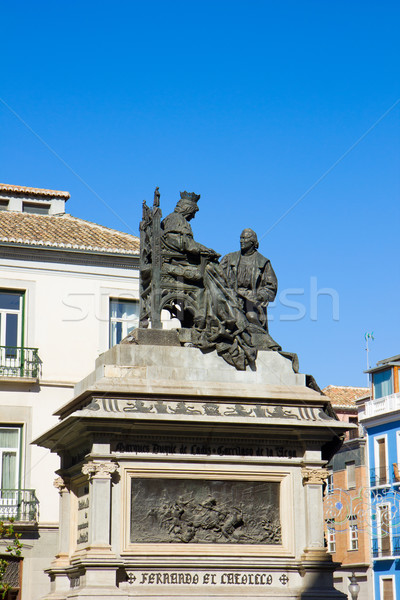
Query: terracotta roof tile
x=344 y=396
x=64 y=231
x=29 y=191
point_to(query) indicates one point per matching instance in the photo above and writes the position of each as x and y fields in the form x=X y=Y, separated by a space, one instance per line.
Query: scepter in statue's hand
x=156 y=201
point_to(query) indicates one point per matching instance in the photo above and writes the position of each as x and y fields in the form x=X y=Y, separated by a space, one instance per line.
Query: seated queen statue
x=187 y=257
x=207 y=304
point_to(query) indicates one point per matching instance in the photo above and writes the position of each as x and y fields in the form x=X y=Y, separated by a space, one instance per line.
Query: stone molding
x=314 y=476
x=60 y=484
x=99 y=470
x=160 y=408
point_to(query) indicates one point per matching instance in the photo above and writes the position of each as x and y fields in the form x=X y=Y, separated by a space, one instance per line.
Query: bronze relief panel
x=204 y=511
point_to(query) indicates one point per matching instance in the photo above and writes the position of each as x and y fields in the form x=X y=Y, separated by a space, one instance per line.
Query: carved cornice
x=314 y=476
x=99 y=470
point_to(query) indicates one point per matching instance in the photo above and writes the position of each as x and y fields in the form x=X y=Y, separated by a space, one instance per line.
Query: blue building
x=381 y=420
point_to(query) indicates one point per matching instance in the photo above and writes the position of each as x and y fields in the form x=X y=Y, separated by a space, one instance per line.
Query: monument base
x=184 y=478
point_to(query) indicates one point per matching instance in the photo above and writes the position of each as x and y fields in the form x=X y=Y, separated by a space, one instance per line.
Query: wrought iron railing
x=379 y=476
x=19 y=362
x=386 y=546
x=396 y=545
x=20 y=505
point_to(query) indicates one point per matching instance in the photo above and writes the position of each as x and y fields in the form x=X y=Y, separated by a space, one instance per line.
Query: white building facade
x=69 y=290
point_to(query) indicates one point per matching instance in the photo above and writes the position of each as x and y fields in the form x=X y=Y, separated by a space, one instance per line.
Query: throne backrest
x=150 y=264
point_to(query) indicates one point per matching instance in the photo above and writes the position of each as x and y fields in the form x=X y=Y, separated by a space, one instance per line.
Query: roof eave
x=29 y=191
x=383 y=367
x=103 y=252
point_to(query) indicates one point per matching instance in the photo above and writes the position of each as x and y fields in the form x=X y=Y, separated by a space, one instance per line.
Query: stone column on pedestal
x=60 y=582
x=100 y=502
x=313 y=480
x=64 y=519
x=101 y=572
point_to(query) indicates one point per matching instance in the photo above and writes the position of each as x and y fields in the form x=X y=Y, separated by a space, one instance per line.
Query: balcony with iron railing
x=380 y=406
x=19 y=505
x=386 y=547
x=379 y=476
x=19 y=362
x=383 y=476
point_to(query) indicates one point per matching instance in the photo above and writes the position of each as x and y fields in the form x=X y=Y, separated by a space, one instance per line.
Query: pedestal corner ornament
x=194 y=458
x=99 y=470
x=314 y=476
x=60 y=484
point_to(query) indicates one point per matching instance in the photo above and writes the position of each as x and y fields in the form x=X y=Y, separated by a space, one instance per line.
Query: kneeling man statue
x=251 y=275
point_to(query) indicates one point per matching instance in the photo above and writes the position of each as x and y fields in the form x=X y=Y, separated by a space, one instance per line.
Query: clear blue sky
x=248 y=103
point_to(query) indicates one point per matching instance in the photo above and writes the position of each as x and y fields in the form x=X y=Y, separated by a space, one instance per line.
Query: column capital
x=314 y=476
x=99 y=470
x=60 y=484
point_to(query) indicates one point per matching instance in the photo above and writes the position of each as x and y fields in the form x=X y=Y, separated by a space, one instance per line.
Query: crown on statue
x=191 y=196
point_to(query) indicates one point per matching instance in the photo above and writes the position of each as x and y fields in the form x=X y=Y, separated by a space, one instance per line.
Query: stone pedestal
x=188 y=479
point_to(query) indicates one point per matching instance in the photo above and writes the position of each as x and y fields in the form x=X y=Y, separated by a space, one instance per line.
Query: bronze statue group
x=221 y=304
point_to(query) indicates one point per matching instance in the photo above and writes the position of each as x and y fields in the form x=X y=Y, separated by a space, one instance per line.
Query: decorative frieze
x=207 y=410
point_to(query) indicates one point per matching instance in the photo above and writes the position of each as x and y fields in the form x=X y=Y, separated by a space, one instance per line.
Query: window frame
x=380 y=507
x=354 y=433
x=21 y=315
x=350 y=463
x=377 y=464
x=124 y=322
x=393 y=580
x=18 y=478
x=36 y=208
x=331 y=539
x=391 y=380
x=353 y=531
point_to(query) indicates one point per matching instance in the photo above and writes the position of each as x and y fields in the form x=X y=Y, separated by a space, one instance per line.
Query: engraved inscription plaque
x=204 y=511
x=83 y=515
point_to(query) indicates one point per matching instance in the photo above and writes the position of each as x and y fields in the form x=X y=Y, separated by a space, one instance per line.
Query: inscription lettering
x=205 y=450
x=169 y=578
x=83 y=515
x=162 y=578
